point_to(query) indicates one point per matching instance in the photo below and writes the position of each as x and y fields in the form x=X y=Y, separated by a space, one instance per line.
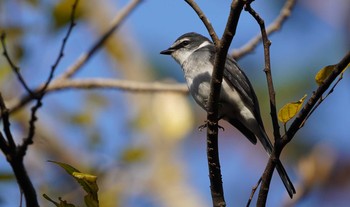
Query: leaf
x=65 y=166
x=62 y=203
x=133 y=155
x=87 y=181
x=61 y=13
x=289 y=110
x=323 y=74
x=81 y=118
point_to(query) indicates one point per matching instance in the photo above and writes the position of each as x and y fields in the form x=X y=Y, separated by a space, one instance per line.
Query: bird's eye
x=185 y=43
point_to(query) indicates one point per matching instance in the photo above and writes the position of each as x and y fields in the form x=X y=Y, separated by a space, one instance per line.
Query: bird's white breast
x=198 y=75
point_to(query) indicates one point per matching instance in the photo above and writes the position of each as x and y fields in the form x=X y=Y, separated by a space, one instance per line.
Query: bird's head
x=185 y=45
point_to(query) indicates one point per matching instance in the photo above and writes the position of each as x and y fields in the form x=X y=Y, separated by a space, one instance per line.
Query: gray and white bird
x=238 y=103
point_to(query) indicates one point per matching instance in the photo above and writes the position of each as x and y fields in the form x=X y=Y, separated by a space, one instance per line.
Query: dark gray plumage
x=238 y=102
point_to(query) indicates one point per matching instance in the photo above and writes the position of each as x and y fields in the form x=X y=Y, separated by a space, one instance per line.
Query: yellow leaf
x=61 y=13
x=84 y=176
x=323 y=74
x=134 y=155
x=289 y=110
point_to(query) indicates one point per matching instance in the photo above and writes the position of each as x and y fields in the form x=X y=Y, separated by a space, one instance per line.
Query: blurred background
x=145 y=147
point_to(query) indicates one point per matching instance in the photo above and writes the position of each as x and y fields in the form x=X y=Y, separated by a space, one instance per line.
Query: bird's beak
x=167 y=51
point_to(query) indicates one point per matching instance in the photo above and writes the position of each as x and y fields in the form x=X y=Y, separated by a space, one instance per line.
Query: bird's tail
x=265 y=141
x=285 y=179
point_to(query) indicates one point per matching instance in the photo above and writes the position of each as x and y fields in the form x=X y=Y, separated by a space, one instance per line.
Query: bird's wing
x=238 y=81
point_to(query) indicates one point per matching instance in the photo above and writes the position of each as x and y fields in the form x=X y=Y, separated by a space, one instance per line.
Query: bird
x=238 y=103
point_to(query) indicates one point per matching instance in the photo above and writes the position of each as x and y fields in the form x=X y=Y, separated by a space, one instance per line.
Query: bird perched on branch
x=238 y=103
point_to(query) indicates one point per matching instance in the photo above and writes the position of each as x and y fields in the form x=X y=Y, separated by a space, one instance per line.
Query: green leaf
x=90 y=201
x=65 y=166
x=87 y=181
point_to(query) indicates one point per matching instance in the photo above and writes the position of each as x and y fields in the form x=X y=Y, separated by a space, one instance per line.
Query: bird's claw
x=220 y=127
x=205 y=125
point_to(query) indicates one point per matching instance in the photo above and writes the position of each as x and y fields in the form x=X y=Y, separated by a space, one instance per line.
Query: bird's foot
x=205 y=125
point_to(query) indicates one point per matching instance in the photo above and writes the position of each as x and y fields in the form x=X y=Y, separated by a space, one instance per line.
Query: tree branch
x=273 y=27
x=14 y=68
x=253 y=192
x=74 y=68
x=321 y=100
x=15 y=154
x=40 y=95
x=266 y=178
x=205 y=21
x=212 y=116
x=16 y=161
x=99 y=83
x=124 y=85
x=317 y=95
x=303 y=114
x=116 y=22
x=10 y=144
x=222 y=47
x=267 y=70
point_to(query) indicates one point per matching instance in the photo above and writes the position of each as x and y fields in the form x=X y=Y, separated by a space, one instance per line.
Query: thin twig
x=321 y=100
x=267 y=70
x=295 y=126
x=205 y=21
x=29 y=139
x=108 y=83
x=3 y=144
x=266 y=178
x=267 y=175
x=64 y=42
x=116 y=22
x=14 y=68
x=273 y=27
x=6 y=124
x=253 y=192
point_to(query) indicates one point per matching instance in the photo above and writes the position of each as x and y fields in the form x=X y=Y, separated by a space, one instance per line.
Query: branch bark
x=124 y=85
x=212 y=116
x=15 y=159
x=266 y=178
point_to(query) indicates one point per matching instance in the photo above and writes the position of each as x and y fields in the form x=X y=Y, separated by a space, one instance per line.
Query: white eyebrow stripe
x=179 y=42
x=205 y=43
